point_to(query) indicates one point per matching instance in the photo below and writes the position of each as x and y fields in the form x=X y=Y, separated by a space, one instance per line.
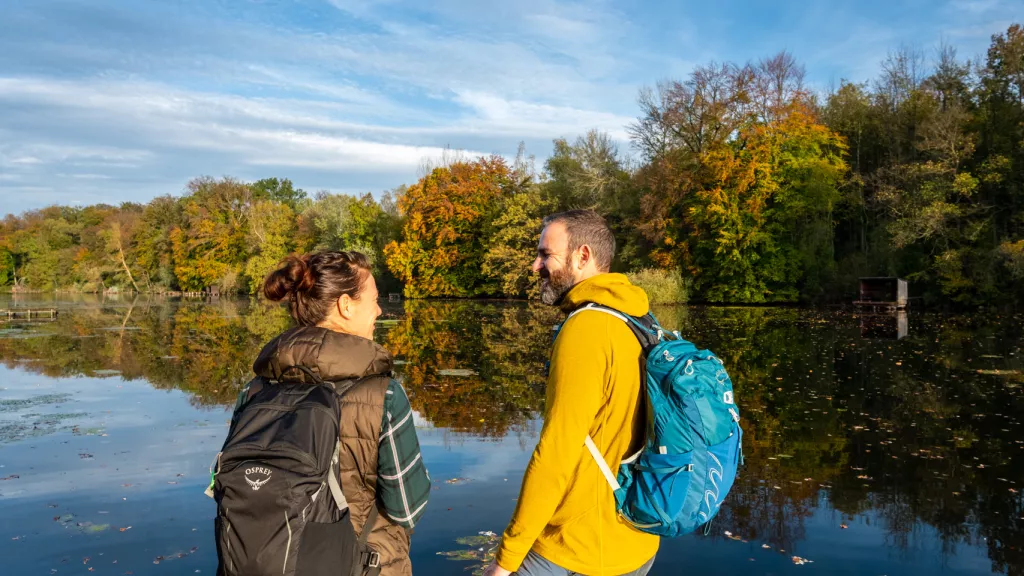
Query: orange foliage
x=441 y=250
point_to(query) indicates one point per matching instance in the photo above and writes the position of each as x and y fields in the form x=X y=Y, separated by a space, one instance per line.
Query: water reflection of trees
x=497 y=351
x=204 y=349
x=898 y=432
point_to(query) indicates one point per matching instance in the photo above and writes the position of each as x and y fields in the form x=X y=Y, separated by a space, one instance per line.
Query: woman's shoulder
x=372 y=389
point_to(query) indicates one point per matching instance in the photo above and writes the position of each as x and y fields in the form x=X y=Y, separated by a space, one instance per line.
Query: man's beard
x=555 y=286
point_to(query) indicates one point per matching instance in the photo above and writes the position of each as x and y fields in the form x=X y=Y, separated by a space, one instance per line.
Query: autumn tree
x=209 y=246
x=741 y=178
x=442 y=246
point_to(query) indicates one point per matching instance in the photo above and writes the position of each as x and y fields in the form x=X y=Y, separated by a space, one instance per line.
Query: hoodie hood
x=611 y=290
x=333 y=356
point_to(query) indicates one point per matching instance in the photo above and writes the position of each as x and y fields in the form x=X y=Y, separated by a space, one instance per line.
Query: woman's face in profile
x=364 y=310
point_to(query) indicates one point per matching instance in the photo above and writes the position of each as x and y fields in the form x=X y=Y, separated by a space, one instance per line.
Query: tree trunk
x=120 y=252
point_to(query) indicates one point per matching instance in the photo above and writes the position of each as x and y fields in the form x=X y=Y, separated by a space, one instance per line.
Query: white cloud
x=497 y=114
x=160 y=121
x=343 y=94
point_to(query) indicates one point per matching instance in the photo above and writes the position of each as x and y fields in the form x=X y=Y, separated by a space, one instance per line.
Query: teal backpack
x=688 y=463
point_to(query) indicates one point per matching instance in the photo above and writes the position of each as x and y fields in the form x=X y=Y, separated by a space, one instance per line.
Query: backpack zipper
x=305 y=457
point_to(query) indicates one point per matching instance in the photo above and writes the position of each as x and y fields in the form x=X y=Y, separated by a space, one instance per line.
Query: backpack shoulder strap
x=248 y=391
x=613 y=482
x=648 y=333
x=645 y=327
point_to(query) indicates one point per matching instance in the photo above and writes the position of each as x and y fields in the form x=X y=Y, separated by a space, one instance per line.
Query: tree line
x=746 y=187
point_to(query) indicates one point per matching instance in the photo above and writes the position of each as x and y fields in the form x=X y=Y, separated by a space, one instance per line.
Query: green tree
x=6 y=267
x=152 y=243
x=271 y=232
x=281 y=191
x=512 y=243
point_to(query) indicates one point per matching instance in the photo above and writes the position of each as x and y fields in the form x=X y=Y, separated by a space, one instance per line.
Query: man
x=565 y=521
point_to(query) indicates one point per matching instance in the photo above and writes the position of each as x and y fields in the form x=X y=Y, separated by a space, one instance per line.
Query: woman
x=333 y=298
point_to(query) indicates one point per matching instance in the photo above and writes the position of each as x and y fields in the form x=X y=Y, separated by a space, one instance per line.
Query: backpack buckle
x=372 y=560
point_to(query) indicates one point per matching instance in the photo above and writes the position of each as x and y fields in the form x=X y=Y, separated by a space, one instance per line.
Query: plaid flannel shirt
x=403 y=485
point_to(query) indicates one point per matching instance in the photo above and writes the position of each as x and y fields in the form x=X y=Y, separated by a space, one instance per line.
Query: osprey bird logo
x=260 y=476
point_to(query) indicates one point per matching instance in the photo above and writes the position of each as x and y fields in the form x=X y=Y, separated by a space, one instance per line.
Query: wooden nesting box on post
x=888 y=293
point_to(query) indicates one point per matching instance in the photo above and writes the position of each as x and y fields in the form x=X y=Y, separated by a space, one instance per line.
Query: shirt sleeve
x=575 y=392
x=403 y=485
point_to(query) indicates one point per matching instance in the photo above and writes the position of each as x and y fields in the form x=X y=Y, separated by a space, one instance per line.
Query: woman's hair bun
x=316 y=281
x=294 y=276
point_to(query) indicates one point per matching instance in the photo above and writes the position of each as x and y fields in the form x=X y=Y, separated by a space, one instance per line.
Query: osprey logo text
x=257 y=476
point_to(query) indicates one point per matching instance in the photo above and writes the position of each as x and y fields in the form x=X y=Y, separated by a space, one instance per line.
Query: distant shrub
x=662 y=286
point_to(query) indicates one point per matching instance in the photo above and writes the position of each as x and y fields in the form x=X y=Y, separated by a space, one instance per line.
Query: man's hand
x=495 y=570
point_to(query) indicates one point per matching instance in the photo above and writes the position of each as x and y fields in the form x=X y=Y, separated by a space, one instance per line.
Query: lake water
x=874 y=445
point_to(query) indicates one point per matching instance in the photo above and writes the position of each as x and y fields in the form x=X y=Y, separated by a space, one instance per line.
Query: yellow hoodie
x=566 y=510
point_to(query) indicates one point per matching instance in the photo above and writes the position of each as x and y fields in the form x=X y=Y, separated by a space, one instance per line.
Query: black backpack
x=280 y=508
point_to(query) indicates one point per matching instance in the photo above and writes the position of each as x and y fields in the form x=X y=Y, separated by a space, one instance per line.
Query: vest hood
x=332 y=356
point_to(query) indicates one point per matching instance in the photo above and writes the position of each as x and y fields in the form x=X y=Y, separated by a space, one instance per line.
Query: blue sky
x=115 y=100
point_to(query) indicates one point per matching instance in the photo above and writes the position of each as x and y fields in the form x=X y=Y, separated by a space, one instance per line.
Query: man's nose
x=536 y=264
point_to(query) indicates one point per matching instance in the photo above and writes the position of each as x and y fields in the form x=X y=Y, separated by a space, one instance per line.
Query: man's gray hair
x=587 y=227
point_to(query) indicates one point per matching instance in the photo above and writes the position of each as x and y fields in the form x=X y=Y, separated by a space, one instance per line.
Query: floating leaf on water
x=457 y=372
x=999 y=372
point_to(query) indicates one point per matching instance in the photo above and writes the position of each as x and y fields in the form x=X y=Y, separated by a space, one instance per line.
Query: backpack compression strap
x=332 y=480
x=589 y=442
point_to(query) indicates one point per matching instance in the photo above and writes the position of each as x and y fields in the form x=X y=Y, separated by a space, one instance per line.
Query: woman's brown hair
x=314 y=282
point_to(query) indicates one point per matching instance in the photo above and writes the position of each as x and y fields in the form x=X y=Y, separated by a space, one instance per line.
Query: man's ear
x=585 y=256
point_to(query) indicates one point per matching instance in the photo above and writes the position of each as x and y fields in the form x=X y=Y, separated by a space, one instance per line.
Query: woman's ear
x=345 y=306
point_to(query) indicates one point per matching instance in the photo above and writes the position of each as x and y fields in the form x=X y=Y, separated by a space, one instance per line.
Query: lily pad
x=478 y=540
x=22 y=403
x=481 y=550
